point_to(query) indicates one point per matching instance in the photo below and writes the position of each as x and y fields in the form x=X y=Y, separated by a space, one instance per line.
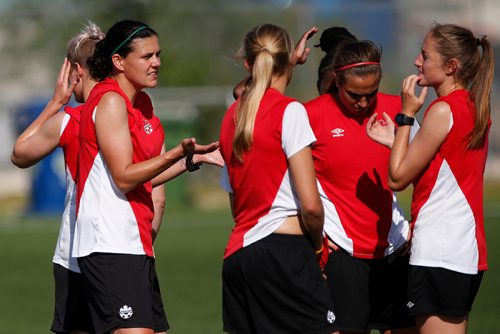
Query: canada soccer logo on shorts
x=330 y=317
x=148 y=128
x=126 y=312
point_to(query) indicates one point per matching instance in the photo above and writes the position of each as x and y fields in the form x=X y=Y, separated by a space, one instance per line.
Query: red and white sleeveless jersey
x=69 y=142
x=447 y=204
x=108 y=220
x=264 y=195
x=361 y=212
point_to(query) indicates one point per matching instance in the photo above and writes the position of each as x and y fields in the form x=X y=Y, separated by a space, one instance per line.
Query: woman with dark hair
x=119 y=156
x=328 y=43
x=445 y=162
x=367 y=270
x=272 y=282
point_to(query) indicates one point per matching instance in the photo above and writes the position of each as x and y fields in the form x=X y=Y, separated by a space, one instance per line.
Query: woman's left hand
x=213 y=158
x=381 y=130
x=301 y=51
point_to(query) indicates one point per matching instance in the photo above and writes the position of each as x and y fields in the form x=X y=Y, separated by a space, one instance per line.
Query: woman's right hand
x=189 y=146
x=64 y=89
x=411 y=103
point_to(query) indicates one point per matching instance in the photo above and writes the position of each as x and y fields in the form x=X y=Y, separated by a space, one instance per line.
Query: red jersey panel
x=108 y=220
x=361 y=213
x=262 y=188
x=447 y=204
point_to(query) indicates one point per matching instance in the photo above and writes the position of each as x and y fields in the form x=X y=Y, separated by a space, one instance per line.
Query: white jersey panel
x=332 y=227
x=445 y=231
x=62 y=253
x=106 y=222
x=296 y=131
x=400 y=228
x=224 y=180
x=285 y=204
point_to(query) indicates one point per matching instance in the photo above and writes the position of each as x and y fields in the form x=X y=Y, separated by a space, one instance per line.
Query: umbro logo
x=410 y=305
x=126 y=312
x=330 y=317
x=338 y=132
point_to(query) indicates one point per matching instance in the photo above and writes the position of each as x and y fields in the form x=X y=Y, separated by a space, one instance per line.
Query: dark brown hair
x=475 y=71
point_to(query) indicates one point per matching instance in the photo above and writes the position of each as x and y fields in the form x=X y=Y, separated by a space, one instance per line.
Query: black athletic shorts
x=441 y=291
x=71 y=310
x=369 y=293
x=275 y=286
x=123 y=292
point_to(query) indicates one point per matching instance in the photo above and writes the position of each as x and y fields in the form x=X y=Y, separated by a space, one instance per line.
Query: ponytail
x=480 y=92
x=475 y=72
x=267 y=50
x=246 y=110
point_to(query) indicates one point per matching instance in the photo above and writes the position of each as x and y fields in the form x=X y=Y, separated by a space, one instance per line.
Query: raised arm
x=301 y=51
x=42 y=136
x=408 y=160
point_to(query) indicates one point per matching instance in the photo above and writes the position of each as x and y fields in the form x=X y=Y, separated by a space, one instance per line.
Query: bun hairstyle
x=331 y=37
x=82 y=46
x=329 y=43
x=118 y=40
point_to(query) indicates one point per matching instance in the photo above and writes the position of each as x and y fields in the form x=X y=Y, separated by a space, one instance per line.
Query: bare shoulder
x=439 y=109
x=112 y=100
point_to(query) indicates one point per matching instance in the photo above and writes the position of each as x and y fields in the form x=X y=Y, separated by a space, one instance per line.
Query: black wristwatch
x=402 y=119
x=191 y=167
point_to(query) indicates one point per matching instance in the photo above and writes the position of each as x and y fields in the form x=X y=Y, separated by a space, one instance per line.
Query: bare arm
x=304 y=179
x=42 y=136
x=113 y=136
x=213 y=158
x=158 y=196
x=408 y=160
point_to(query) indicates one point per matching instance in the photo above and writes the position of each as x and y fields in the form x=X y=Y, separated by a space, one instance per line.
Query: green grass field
x=189 y=257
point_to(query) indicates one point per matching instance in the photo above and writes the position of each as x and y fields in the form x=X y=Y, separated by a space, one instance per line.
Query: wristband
x=190 y=165
x=402 y=119
x=319 y=251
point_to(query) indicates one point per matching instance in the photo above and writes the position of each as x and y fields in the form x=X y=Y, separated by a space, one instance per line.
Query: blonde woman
x=272 y=282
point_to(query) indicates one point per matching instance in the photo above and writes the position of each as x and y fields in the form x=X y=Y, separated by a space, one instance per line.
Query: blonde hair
x=82 y=46
x=475 y=71
x=267 y=49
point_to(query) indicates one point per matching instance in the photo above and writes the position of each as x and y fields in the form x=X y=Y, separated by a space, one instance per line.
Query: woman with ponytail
x=445 y=162
x=272 y=282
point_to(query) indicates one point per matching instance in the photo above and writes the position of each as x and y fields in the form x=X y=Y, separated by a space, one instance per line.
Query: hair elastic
x=129 y=37
x=345 y=67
